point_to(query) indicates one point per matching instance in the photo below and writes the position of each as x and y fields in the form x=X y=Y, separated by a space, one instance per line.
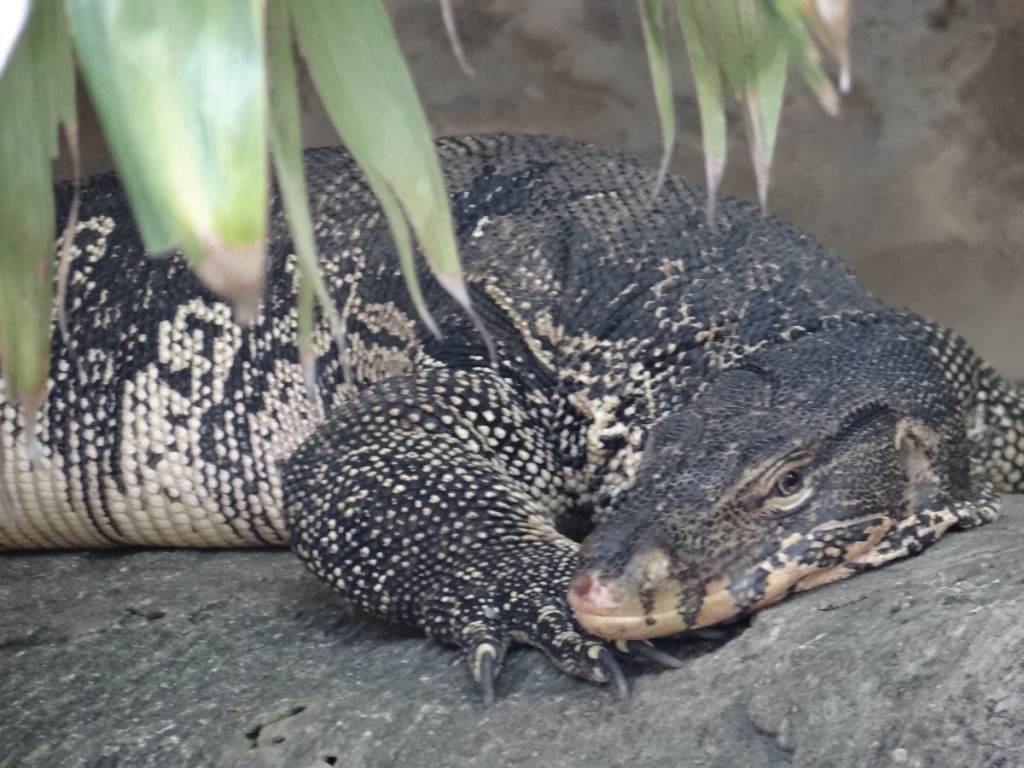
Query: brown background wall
x=919 y=183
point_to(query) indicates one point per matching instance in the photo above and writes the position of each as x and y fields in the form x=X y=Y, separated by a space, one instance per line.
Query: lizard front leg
x=430 y=499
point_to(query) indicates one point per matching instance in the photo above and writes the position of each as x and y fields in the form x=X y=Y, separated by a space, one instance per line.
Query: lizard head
x=769 y=483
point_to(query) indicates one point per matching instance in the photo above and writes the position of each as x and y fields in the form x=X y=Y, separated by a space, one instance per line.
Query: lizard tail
x=995 y=424
x=993 y=407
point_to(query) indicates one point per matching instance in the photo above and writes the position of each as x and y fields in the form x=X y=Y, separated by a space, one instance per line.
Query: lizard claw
x=612 y=672
x=486 y=622
x=485 y=658
x=647 y=650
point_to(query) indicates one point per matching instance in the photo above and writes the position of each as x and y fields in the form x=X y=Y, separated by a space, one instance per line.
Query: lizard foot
x=484 y=624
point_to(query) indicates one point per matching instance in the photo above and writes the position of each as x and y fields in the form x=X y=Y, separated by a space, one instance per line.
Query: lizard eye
x=791 y=482
x=792 y=490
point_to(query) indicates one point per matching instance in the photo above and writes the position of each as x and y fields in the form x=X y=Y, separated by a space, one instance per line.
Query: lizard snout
x=627 y=605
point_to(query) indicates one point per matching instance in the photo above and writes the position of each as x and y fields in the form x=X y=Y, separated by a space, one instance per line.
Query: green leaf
x=829 y=22
x=790 y=21
x=762 y=107
x=37 y=91
x=362 y=79
x=747 y=44
x=286 y=148
x=753 y=57
x=698 y=32
x=730 y=39
x=652 y=13
x=180 y=89
x=741 y=44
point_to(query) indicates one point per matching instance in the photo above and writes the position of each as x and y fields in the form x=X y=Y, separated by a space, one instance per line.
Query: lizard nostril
x=581 y=584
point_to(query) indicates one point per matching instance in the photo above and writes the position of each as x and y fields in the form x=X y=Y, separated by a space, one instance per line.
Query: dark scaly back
x=555 y=237
x=633 y=304
x=624 y=304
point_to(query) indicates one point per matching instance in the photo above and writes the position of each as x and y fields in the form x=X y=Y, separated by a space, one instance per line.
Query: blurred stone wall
x=919 y=183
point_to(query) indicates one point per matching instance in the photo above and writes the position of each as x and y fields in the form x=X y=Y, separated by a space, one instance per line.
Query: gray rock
x=187 y=658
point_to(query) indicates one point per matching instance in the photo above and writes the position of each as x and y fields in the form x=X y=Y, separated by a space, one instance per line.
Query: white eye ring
x=792 y=502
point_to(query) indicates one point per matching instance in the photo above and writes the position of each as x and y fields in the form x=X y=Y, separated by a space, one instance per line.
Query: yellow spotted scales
x=723 y=412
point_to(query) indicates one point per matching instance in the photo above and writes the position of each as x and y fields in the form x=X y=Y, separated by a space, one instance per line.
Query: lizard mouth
x=614 y=609
x=645 y=601
x=625 y=618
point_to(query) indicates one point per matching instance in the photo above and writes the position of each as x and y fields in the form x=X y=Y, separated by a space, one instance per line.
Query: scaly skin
x=727 y=410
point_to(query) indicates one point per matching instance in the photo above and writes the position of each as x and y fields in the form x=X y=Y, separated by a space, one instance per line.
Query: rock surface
x=186 y=658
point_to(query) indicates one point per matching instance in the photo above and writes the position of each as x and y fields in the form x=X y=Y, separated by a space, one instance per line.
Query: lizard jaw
x=645 y=601
x=612 y=608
